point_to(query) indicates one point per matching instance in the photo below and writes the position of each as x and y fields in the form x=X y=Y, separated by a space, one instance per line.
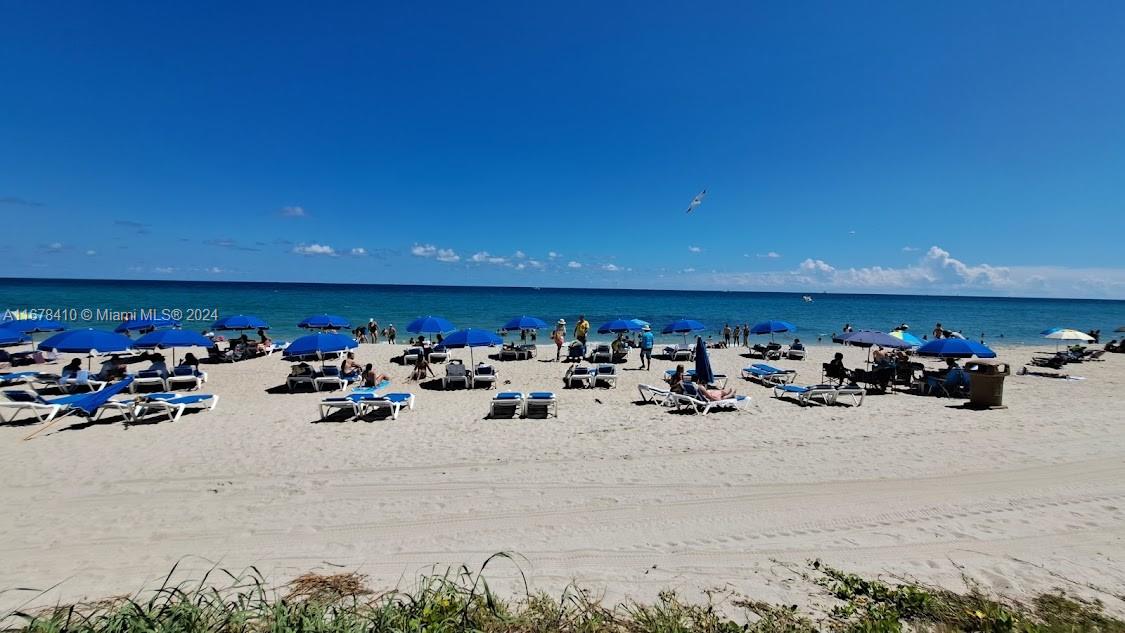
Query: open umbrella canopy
x=621 y=325
x=770 y=327
x=164 y=339
x=241 y=322
x=524 y=323
x=703 y=373
x=955 y=348
x=683 y=326
x=318 y=345
x=472 y=337
x=137 y=325
x=907 y=337
x=12 y=337
x=87 y=341
x=869 y=338
x=324 y=322
x=430 y=325
x=1067 y=334
x=28 y=326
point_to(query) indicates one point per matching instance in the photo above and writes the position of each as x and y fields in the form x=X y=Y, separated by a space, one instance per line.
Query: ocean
x=102 y=304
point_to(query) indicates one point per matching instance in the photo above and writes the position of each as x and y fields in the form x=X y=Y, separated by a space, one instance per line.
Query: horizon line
x=616 y=289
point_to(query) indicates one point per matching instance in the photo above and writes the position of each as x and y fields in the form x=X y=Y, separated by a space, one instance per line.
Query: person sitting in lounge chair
x=372 y=378
x=421 y=369
x=714 y=394
x=349 y=368
x=676 y=380
x=159 y=365
x=263 y=339
x=112 y=369
x=189 y=360
x=72 y=368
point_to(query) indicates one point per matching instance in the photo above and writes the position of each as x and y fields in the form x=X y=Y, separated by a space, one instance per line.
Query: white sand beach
x=625 y=499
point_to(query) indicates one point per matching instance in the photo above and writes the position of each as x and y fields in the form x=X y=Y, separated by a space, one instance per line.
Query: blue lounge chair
x=86 y=404
x=173 y=405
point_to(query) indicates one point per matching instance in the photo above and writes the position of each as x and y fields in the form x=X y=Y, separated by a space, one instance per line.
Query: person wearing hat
x=559 y=337
x=647 y=340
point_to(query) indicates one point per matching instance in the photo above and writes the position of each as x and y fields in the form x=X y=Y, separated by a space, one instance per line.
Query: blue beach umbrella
x=772 y=326
x=240 y=322
x=955 y=348
x=30 y=326
x=470 y=338
x=703 y=373
x=524 y=323
x=430 y=325
x=324 y=322
x=138 y=325
x=87 y=341
x=319 y=345
x=12 y=337
x=165 y=339
x=683 y=326
x=621 y=325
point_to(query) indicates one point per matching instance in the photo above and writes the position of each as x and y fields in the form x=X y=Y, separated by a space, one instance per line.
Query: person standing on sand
x=559 y=337
x=647 y=340
x=373 y=330
x=746 y=335
x=726 y=334
x=580 y=330
x=391 y=332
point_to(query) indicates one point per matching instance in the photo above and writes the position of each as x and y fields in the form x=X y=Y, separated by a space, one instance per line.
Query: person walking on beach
x=559 y=337
x=373 y=330
x=726 y=334
x=647 y=340
x=580 y=330
x=391 y=332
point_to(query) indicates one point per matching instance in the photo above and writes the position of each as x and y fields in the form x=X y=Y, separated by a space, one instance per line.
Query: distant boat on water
x=807 y=299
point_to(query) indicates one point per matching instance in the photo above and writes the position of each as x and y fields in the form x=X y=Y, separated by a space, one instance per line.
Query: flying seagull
x=696 y=201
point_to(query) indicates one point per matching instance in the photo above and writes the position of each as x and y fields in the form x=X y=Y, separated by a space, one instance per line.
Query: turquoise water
x=85 y=303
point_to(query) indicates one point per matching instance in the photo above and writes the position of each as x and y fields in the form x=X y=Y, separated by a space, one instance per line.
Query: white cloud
x=611 y=267
x=573 y=264
x=358 y=251
x=816 y=265
x=164 y=270
x=852 y=232
x=314 y=249
x=447 y=255
x=214 y=270
x=695 y=249
x=293 y=212
x=534 y=263
x=91 y=252
x=519 y=255
x=483 y=257
x=909 y=249
x=55 y=247
x=769 y=255
x=688 y=270
x=553 y=255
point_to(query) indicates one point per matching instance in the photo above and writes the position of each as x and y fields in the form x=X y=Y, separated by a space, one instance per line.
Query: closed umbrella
x=171 y=339
x=470 y=338
x=955 y=348
x=703 y=373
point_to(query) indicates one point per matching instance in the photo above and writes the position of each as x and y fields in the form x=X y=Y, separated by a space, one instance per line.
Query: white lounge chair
x=681 y=351
x=506 y=403
x=484 y=374
x=186 y=375
x=580 y=376
x=541 y=404
x=602 y=354
x=393 y=403
x=83 y=378
x=796 y=354
x=456 y=373
x=411 y=355
x=352 y=402
x=173 y=404
x=607 y=375
x=45 y=410
x=856 y=393
x=768 y=374
x=439 y=354
x=807 y=395
x=15 y=378
x=293 y=382
x=149 y=378
x=659 y=395
x=703 y=405
x=331 y=378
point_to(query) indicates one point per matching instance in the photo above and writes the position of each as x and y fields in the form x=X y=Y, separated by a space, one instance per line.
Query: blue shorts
x=646 y=352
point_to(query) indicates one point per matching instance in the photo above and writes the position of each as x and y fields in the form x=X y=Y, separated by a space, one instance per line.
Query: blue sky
x=973 y=148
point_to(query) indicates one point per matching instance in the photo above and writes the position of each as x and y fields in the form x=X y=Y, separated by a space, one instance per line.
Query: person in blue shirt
x=646 y=347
